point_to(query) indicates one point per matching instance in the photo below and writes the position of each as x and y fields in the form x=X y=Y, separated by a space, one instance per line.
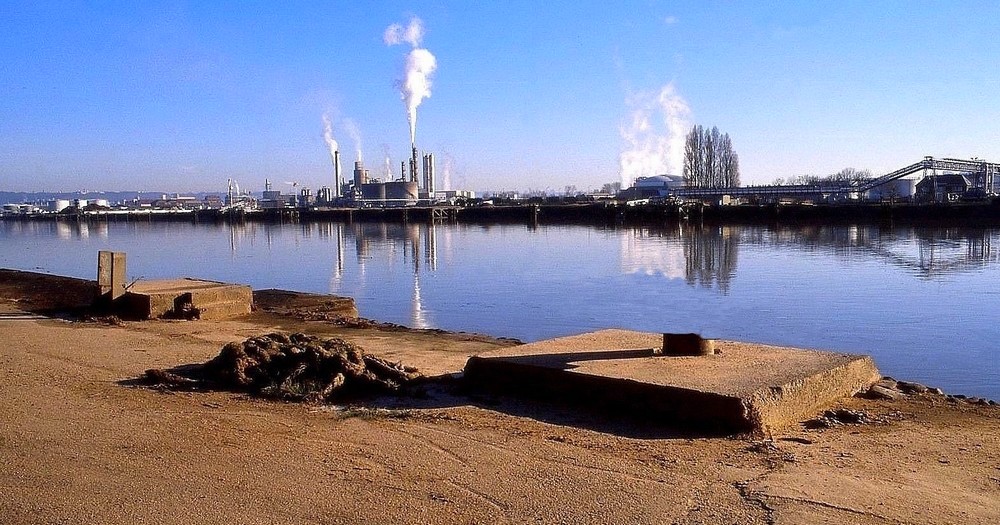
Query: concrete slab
x=746 y=387
x=184 y=297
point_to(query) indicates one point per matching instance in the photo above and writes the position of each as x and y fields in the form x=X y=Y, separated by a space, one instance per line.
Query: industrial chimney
x=336 y=174
x=360 y=176
x=429 y=175
x=413 y=166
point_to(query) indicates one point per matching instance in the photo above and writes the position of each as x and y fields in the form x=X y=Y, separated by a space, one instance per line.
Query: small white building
x=19 y=209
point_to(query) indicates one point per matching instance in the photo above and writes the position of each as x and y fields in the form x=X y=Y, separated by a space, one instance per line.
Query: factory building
x=943 y=188
x=272 y=198
x=655 y=186
x=417 y=188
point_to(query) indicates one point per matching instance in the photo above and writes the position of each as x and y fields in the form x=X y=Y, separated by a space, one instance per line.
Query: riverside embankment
x=981 y=213
x=80 y=446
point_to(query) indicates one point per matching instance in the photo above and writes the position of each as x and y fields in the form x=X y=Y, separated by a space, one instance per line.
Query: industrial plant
x=926 y=181
x=414 y=187
x=929 y=188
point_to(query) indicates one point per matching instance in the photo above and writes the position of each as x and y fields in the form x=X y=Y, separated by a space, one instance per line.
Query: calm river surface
x=925 y=302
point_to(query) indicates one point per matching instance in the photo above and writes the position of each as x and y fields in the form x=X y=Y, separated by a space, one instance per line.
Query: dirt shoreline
x=77 y=445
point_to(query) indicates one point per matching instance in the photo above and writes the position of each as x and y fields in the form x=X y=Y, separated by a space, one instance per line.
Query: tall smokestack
x=413 y=165
x=359 y=175
x=429 y=174
x=336 y=173
x=424 y=167
x=331 y=143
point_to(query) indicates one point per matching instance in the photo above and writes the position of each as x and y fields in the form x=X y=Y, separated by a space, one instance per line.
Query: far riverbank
x=981 y=213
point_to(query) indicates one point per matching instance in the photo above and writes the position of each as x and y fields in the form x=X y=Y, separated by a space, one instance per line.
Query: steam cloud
x=652 y=150
x=331 y=142
x=411 y=34
x=388 y=162
x=352 y=130
x=449 y=163
x=420 y=65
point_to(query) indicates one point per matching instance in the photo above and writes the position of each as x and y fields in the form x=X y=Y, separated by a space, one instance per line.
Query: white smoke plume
x=388 y=162
x=411 y=34
x=652 y=149
x=331 y=142
x=449 y=163
x=352 y=130
x=415 y=85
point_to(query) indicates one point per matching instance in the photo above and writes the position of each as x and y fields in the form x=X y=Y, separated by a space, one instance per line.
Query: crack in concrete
x=756 y=498
x=831 y=506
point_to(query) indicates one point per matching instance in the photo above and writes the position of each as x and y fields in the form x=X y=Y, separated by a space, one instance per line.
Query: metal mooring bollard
x=686 y=344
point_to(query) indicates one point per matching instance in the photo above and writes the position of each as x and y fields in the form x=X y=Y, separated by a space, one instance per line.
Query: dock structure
x=737 y=387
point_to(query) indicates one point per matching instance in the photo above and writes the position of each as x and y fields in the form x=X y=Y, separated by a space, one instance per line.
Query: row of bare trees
x=709 y=159
x=850 y=175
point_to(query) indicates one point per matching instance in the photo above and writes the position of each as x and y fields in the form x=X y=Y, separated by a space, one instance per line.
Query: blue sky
x=183 y=95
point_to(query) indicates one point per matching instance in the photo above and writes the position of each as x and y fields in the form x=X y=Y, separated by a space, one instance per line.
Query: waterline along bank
x=596 y=213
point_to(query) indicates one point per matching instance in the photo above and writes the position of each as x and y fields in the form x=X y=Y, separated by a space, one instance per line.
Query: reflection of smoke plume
x=650 y=256
x=352 y=130
x=420 y=65
x=328 y=137
x=649 y=150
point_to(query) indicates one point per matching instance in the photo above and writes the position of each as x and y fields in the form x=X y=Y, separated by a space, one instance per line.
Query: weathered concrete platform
x=745 y=388
x=187 y=298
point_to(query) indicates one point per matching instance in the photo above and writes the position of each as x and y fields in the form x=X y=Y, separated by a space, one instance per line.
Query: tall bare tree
x=709 y=159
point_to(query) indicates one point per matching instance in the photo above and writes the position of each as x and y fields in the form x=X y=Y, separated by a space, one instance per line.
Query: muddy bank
x=44 y=293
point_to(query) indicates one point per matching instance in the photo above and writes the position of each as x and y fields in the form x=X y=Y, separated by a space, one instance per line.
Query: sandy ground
x=77 y=445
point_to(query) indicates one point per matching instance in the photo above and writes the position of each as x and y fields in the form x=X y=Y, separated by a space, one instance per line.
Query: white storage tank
x=903 y=189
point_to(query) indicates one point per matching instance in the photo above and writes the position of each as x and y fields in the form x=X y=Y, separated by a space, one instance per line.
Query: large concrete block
x=188 y=298
x=111 y=276
x=745 y=387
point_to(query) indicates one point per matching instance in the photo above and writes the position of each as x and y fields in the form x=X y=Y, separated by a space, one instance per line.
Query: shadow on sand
x=454 y=391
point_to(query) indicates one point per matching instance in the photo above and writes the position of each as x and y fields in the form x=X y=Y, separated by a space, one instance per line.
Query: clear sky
x=180 y=96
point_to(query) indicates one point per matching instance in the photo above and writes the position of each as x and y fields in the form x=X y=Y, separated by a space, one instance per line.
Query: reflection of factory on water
x=416 y=244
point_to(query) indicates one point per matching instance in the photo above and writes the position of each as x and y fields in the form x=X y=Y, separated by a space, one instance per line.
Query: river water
x=924 y=302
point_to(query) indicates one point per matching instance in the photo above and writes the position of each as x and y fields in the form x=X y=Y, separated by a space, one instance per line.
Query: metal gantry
x=985 y=176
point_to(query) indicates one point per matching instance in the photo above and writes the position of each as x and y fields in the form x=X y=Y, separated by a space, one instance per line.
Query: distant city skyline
x=181 y=96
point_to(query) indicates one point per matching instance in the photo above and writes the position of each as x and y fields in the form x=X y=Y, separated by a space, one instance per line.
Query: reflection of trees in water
x=710 y=253
x=925 y=251
x=710 y=256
